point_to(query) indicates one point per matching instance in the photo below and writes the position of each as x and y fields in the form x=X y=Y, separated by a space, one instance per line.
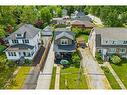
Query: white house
x=108 y=41
x=24 y=42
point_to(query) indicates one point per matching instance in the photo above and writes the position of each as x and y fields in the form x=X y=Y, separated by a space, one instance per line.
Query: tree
x=2 y=31
x=45 y=15
x=115 y=59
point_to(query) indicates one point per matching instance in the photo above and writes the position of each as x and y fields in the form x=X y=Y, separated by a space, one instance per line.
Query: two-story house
x=64 y=44
x=108 y=41
x=24 y=42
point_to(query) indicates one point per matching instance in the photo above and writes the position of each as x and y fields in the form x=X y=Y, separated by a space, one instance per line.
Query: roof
x=64 y=48
x=28 y=30
x=57 y=18
x=63 y=29
x=19 y=47
x=85 y=23
x=80 y=14
x=68 y=34
x=115 y=33
x=47 y=31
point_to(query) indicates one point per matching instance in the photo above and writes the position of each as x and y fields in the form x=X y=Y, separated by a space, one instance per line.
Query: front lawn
x=83 y=37
x=71 y=79
x=110 y=78
x=52 y=84
x=6 y=70
x=19 y=79
x=121 y=71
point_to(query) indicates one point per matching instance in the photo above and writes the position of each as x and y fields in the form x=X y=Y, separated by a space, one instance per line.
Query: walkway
x=115 y=75
x=57 y=79
x=95 y=76
x=45 y=75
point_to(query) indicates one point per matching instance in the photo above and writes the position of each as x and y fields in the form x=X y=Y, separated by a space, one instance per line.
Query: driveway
x=46 y=74
x=95 y=76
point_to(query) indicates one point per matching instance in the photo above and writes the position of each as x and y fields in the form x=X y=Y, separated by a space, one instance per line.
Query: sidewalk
x=115 y=75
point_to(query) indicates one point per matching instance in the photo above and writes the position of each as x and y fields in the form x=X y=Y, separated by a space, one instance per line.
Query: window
x=64 y=41
x=122 y=50
x=15 y=41
x=25 y=41
x=19 y=35
x=12 y=53
x=112 y=50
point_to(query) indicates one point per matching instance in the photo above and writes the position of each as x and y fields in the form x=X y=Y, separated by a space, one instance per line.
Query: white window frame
x=112 y=50
x=64 y=41
x=120 y=50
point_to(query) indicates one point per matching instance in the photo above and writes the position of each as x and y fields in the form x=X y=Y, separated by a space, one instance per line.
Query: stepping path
x=57 y=79
x=95 y=77
x=115 y=75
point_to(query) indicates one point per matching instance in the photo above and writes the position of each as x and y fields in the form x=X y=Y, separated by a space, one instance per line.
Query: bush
x=105 y=69
x=76 y=59
x=27 y=61
x=99 y=58
x=115 y=59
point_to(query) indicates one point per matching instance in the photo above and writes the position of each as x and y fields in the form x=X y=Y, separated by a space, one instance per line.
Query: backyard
x=121 y=71
x=70 y=78
x=83 y=37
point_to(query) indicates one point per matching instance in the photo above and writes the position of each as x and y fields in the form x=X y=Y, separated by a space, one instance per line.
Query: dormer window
x=19 y=35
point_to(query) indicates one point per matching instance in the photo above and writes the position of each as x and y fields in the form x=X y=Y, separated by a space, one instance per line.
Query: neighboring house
x=80 y=16
x=64 y=44
x=58 y=21
x=64 y=12
x=108 y=41
x=82 y=24
x=23 y=43
x=47 y=31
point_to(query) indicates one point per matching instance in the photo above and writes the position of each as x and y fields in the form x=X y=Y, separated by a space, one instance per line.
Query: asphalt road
x=95 y=76
x=46 y=74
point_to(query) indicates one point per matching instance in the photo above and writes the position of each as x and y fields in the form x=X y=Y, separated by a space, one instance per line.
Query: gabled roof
x=68 y=34
x=115 y=33
x=28 y=30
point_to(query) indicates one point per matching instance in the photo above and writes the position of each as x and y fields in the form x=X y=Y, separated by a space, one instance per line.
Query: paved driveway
x=95 y=76
x=45 y=75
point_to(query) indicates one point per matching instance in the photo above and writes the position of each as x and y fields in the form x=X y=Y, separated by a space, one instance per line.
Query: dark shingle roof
x=59 y=34
x=19 y=47
x=28 y=30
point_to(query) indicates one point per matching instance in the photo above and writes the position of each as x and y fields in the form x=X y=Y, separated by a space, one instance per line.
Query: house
x=82 y=24
x=64 y=44
x=23 y=43
x=47 y=31
x=64 y=12
x=58 y=21
x=80 y=16
x=108 y=41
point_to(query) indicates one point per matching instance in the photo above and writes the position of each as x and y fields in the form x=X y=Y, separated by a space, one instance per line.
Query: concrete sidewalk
x=96 y=78
x=45 y=75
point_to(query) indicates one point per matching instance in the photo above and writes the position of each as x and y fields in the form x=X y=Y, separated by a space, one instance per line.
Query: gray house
x=64 y=44
x=108 y=41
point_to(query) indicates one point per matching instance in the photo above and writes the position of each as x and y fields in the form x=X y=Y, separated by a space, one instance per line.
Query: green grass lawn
x=5 y=71
x=111 y=78
x=20 y=77
x=52 y=84
x=69 y=79
x=121 y=72
x=83 y=37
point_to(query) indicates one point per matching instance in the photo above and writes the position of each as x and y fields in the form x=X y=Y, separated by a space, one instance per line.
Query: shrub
x=27 y=61
x=105 y=69
x=115 y=59
x=76 y=59
x=99 y=58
